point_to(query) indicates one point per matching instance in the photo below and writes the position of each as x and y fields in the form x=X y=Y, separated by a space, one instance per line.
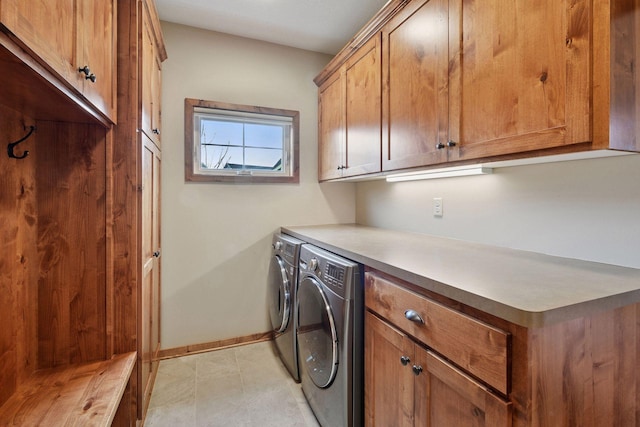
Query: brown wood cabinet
x=137 y=168
x=150 y=290
x=349 y=108
x=442 y=370
x=74 y=213
x=389 y=391
x=519 y=77
x=97 y=50
x=152 y=84
x=80 y=47
x=469 y=82
x=415 y=72
x=407 y=385
x=407 y=381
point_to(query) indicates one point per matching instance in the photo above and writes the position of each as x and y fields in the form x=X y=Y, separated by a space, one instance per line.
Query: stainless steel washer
x=282 y=286
x=330 y=336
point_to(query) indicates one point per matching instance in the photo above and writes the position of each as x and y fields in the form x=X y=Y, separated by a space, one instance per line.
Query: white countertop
x=526 y=288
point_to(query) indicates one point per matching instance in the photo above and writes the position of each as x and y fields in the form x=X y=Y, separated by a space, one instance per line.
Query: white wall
x=586 y=209
x=216 y=237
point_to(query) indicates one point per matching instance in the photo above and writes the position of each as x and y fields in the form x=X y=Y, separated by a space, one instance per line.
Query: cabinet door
x=331 y=132
x=444 y=396
x=388 y=383
x=147 y=53
x=363 y=104
x=151 y=80
x=156 y=99
x=519 y=76
x=155 y=229
x=415 y=95
x=150 y=291
x=47 y=28
x=97 y=51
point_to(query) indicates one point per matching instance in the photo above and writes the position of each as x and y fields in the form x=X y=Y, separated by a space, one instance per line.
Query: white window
x=240 y=143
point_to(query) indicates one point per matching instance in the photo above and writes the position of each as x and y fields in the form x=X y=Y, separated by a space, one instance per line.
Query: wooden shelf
x=76 y=395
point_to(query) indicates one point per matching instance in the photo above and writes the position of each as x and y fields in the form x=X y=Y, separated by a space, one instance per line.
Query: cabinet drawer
x=476 y=347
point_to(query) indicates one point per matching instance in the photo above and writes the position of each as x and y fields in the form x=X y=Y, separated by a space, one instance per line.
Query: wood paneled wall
x=18 y=255
x=71 y=195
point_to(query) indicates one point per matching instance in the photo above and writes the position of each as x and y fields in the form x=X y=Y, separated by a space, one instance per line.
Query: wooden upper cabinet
x=519 y=76
x=362 y=114
x=349 y=116
x=97 y=51
x=415 y=72
x=470 y=81
x=151 y=81
x=331 y=128
x=66 y=36
x=46 y=29
x=147 y=53
x=156 y=88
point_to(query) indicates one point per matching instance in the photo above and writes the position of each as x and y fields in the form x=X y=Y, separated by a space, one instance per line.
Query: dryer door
x=279 y=295
x=317 y=335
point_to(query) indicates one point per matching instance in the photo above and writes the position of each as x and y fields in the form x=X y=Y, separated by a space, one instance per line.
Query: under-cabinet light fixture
x=440 y=173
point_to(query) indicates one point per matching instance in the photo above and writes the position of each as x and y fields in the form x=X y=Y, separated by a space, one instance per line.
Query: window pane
x=221 y=132
x=264 y=136
x=267 y=159
x=217 y=157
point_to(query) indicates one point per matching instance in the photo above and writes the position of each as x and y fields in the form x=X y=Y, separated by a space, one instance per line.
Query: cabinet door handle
x=405 y=360
x=451 y=144
x=156 y=131
x=440 y=146
x=156 y=254
x=91 y=77
x=85 y=70
x=417 y=369
x=413 y=316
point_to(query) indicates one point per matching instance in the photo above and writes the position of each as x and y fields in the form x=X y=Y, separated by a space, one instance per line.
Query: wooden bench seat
x=76 y=395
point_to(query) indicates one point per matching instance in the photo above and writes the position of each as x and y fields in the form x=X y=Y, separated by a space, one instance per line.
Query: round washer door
x=317 y=335
x=279 y=295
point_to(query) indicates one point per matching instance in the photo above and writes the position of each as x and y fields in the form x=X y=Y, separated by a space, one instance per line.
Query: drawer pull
x=405 y=360
x=413 y=316
x=417 y=370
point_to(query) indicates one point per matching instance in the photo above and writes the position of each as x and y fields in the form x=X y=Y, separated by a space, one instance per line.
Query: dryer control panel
x=337 y=273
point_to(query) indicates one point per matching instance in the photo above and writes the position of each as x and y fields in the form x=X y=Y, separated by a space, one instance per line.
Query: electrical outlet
x=437 y=207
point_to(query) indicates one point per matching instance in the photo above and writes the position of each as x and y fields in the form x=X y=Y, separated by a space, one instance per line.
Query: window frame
x=191 y=175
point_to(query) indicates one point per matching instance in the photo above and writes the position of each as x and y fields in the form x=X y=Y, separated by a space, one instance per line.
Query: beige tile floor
x=242 y=386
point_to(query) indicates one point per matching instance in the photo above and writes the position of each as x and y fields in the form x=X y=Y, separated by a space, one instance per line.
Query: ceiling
x=317 y=25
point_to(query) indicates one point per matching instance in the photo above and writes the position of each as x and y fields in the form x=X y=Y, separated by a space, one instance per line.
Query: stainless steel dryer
x=330 y=336
x=283 y=282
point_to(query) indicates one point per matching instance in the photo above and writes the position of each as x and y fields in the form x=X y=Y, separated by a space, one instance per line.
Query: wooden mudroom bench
x=87 y=394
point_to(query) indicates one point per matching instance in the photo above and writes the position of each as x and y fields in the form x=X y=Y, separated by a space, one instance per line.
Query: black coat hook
x=11 y=146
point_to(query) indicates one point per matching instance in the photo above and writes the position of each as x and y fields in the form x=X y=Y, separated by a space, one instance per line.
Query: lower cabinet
x=388 y=383
x=432 y=361
x=408 y=383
